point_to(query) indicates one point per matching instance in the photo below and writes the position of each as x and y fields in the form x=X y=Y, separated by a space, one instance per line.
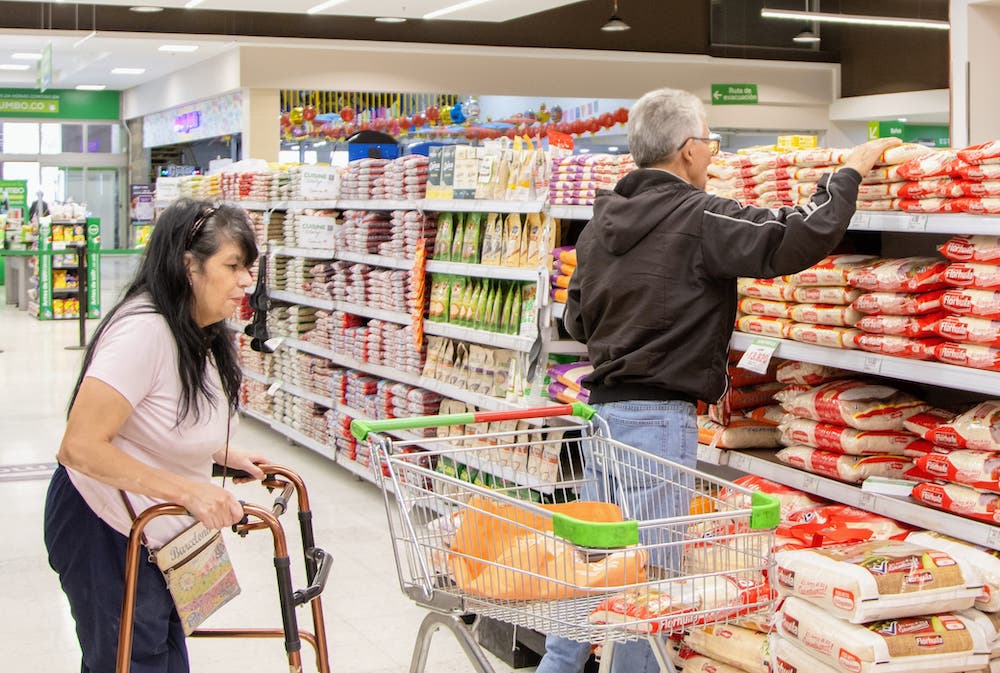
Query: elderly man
x=654 y=298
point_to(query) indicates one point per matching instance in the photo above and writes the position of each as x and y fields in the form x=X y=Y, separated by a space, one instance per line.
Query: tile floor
x=371 y=626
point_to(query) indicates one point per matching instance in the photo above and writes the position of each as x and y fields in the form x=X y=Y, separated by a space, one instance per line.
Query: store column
x=975 y=96
x=261 y=127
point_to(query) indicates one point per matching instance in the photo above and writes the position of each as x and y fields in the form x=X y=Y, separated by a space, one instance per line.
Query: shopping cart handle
x=595 y=535
x=324 y=562
x=361 y=428
x=765 y=511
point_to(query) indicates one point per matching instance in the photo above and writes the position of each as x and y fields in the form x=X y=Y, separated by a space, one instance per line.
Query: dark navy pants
x=89 y=557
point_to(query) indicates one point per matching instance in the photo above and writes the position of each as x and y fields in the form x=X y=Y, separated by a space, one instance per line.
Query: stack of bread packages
x=813 y=306
x=902 y=300
x=962 y=473
x=847 y=429
x=889 y=606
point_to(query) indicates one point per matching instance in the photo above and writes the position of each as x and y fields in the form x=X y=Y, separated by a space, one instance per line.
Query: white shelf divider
x=329 y=204
x=925 y=223
x=920 y=371
x=483 y=270
x=509 y=341
x=304 y=300
x=260 y=378
x=376 y=204
x=572 y=212
x=375 y=260
x=397 y=317
x=481 y=206
x=566 y=347
x=307 y=394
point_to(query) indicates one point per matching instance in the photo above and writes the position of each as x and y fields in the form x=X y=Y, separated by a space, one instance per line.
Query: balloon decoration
x=347 y=114
x=457 y=114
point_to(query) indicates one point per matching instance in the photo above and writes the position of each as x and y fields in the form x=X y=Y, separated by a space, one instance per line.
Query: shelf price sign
x=757 y=358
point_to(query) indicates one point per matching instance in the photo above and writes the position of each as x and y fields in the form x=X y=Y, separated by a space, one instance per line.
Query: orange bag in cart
x=517 y=552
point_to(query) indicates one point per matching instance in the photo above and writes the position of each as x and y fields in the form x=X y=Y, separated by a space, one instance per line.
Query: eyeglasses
x=712 y=141
x=198 y=225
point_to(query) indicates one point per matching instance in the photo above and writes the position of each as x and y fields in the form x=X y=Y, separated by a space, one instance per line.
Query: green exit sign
x=734 y=94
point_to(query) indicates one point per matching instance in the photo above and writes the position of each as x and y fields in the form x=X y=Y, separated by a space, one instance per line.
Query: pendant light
x=615 y=24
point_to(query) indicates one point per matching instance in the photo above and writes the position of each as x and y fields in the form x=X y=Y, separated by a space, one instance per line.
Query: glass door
x=99 y=189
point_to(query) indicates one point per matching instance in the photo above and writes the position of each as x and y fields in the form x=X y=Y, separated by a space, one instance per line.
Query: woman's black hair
x=201 y=229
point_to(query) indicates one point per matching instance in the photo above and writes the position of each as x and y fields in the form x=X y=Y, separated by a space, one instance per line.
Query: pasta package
x=824 y=314
x=856 y=404
x=968 y=329
x=825 y=295
x=894 y=303
x=844 y=467
x=823 y=335
x=830 y=271
x=961 y=500
x=980 y=303
x=898 y=346
x=968 y=355
x=984 y=249
x=850 y=441
x=973 y=274
x=910 y=274
x=765 y=307
x=985 y=561
x=936 y=642
x=771 y=289
x=876 y=580
x=739 y=433
x=777 y=328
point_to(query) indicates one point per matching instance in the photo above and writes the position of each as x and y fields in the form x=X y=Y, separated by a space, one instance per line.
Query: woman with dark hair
x=151 y=411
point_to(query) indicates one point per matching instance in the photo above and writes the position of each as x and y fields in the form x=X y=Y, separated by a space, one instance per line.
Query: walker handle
x=361 y=428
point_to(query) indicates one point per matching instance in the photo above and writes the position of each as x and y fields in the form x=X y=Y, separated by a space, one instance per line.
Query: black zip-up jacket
x=654 y=293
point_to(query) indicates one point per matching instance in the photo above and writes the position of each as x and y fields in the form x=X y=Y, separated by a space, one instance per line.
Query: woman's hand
x=212 y=505
x=241 y=460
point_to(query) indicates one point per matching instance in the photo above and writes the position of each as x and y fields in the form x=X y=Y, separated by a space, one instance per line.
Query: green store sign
x=60 y=104
x=932 y=135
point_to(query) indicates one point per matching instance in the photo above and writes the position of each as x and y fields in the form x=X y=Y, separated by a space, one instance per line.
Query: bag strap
x=131 y=514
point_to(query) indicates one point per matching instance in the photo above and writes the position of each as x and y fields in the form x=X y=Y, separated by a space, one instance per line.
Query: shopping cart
x=472 y=536
x=317 y=564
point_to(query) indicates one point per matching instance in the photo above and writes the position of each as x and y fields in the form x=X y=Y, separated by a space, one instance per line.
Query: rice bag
x=825 y=295
x=825 y=525
x=931 y=164
x=973 y=274
x=808 y=373
x=733 y=645
x=918 y=189
x=777 y=328
x=786 y=657
x=791 y=499
x=830 y=271
x=970 y=430
x=898 y=346
x=740 y=378
x=936 y=642
x=923 y=423
x=764 y=307
x=843 y=467
x=837 y=438
x=752 y=396
x=823 y=335
x=856 y=404
x=877 y=579
x=980 y=303
x=824 y=314
x=772 y=289
x=894 y=303
x=969 y=467
x=968 y=329
x=961 y=500
x=901 y=154
x=968 y=355
x=739 y=433
x=910 y=274
x=978 y=171
x=771 y=414
x=983 y=153
x=982 y=205
x=984 y=561
x=881 y=174
x=984 y=249
x=927 y=205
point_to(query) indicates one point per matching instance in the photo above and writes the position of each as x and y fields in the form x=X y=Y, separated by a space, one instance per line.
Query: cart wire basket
x=559 y=528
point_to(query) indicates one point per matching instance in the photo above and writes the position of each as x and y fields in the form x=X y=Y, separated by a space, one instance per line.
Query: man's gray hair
x=660 y=122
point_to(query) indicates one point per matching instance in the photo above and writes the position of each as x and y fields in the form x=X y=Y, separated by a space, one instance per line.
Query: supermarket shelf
x=762 y=463
x=306 y=394
x=558 y=309
x=260 y=205
x=320 y=204
x=310 y=253
x=374 y=260
x=359 y=470
x=376 y=204
x=920 y=371
x=250 y=374
x=572 y=212
x=64 y=291
x=483 y=271
x=509 y=341
x=365 y=311
x=63 y=266
x=250 y=413
x=481 y=206
x=933 y=223
x=566 y=347
x=304 y=300
x=303 y=439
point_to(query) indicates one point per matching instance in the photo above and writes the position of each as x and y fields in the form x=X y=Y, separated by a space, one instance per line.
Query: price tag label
x=757 y=358
x=871 y=364
x=916 y=222
x=739 y=461
x=993 y=539
x=867 y=501
x=861 y=221
x=59 y=245
x=810 y=484
x=275 y=387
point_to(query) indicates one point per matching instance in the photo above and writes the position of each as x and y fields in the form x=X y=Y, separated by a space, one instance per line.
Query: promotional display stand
x=58 y=276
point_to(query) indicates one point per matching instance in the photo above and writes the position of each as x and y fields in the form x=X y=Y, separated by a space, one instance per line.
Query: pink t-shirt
x=137 y=356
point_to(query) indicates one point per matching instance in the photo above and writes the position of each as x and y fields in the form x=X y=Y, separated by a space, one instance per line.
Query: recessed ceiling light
x=145 y=9
x=453 y=8
x=323 y=6
x=127 y=71
x=14 y=66
x=390 y=19
x=90 y=87
x=894 y=21
x=26 y=56
x=903 y=120
x=806 y=37
x=180 y=48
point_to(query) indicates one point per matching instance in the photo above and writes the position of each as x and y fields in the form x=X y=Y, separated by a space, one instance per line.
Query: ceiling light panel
x=27 y=56
x=857 y=19
x=127 y=71
x=14 y=66
x=179 y=48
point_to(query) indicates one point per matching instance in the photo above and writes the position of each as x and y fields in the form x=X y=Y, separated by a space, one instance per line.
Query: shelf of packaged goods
x=64 y=266
x=926 y=223
x=571 y=212
x=308 y=253
x=316 y=398
x=763 y=463
x=260 y=378
x=302 y=299
x=303 y=439
x=374 y=260
x=508 y=341
x=484 y=271
x=318 y=204
x=256 y=415
x=361 y=471
x=481 y=206
x=919 y=371
x=260 y=205
x=381 y=371
x=468 y=458
x=376 y=204
x=365 y=311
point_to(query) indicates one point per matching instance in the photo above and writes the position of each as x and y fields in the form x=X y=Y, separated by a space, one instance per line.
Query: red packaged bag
x=979 y=303
x=830 y=271
x=984 y=249
x=978 y=469
x=899 y=346
x=968 y=329
x=978 y=172
x=973 y=274
x=909 y=274
x=984 y=205
x=856 y=404
x=931 y=164
x=968 y=355
x=924 y=423
x=895 y=303
x=929 y=205
x=901 y=325
x=960 y=500
x=983 y=153
x=971 y=430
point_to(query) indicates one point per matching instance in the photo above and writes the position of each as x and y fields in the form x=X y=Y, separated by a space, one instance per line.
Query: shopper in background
x=654 y=299
x=38 y=207
x=151 y=411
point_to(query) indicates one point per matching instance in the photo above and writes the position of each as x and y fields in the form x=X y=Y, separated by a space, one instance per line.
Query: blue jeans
x=665 y=429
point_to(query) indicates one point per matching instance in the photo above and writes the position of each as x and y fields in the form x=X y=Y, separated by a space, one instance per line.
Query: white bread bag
x=938 y=643
x=877 y=579
x=990 y=624
x=744 y=648
x=985 y=561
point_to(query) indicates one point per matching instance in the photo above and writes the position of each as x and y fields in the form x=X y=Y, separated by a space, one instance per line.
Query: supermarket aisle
x=370 y=624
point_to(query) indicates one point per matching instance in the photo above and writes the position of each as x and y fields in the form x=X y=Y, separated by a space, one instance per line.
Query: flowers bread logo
x=783 y=666
x=849 y=662
x=930 y=642
x=790 y=626
x=786 y=577
x=843 y=599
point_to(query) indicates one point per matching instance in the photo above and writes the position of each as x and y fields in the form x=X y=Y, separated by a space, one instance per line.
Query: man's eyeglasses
x=712 y=141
